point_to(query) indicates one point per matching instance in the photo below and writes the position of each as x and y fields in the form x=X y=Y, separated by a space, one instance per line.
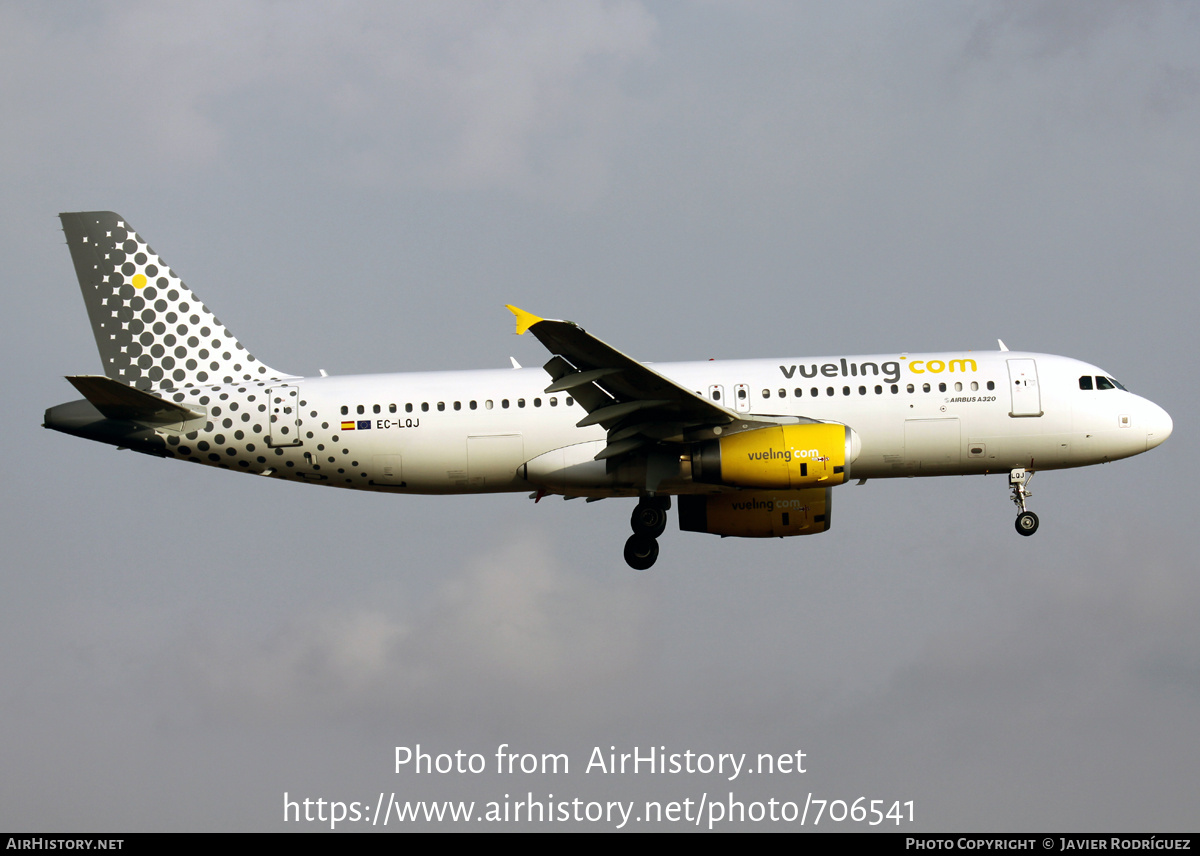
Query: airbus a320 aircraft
x=751 y=448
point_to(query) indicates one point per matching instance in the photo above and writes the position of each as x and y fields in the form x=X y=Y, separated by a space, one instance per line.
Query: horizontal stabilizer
x=116 y=400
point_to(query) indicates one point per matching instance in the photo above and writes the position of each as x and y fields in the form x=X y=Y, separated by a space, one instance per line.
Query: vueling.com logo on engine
x=786 y=455
x=771 y=504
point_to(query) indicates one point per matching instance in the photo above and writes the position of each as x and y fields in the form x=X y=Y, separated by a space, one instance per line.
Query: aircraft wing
x=635 y=404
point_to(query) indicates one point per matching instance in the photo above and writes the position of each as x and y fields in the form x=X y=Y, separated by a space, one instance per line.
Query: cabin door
x=1023 y=383
x=284 y=408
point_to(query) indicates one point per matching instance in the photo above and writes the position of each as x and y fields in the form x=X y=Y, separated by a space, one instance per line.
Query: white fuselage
x=472 y=431
x=750 y=448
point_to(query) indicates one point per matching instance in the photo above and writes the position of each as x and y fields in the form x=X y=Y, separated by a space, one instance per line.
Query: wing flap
x=609 y=415
x=578 y=379
x=589 y=396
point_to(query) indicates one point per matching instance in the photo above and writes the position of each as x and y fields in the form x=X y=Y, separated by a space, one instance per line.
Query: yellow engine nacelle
x=758 y=514
x=781 y=457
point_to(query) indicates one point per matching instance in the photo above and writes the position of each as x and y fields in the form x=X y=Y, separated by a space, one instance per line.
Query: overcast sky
x=361 y=187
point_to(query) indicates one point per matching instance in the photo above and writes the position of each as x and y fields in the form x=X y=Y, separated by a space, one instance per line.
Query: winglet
x=1003 y=346
x=525 y=320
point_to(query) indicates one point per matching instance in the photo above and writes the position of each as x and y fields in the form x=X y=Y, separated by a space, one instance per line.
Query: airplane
x=749 y=448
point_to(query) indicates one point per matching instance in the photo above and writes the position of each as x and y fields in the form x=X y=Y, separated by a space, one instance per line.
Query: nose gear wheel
x=1018 y=480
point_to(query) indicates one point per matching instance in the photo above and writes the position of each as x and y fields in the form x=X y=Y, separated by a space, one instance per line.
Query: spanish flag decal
x=347 y=426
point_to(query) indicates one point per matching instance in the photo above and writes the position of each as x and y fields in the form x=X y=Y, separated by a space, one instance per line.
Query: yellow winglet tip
x=525 y=320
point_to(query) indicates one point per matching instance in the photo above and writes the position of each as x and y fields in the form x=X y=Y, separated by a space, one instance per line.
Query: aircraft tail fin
x=152 y=331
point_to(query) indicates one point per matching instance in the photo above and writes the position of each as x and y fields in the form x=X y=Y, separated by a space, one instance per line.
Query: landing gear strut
x=1018 y=480
x=649 y=520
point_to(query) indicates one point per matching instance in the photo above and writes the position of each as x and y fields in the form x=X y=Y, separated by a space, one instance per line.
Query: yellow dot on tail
x=139 y=280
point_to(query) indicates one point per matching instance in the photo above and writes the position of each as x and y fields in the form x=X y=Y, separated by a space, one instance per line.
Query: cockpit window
x=1085 y=382
x=1117 y=383
x=1103 y=383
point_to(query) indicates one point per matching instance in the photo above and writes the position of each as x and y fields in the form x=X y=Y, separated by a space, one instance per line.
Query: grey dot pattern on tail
x=153 y=332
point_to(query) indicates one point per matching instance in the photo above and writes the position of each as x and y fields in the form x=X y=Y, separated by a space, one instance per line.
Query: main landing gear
x=649 y=520
x=1018 y=480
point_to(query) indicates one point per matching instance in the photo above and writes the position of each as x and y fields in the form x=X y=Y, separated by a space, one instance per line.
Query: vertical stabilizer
x=152 y=331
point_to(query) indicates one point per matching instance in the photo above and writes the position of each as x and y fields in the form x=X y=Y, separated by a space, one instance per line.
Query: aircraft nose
x=1158 y=425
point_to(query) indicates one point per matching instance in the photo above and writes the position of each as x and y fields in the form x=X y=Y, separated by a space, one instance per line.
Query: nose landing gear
x=649 y=520
x=1027 y=522
x=1018 y=480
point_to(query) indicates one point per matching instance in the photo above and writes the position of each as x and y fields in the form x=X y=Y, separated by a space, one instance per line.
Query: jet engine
x=779 y=457
x=758 y=514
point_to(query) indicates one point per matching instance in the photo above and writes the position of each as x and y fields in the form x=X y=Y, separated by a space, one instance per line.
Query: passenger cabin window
x=376 y=408
x=799 y=392
x=991 y=384
x=766 y=393
x=441 y=405
x=361 y=409
x=424 y=406
x=345 y=410
x=408 y=407
x=941 y=387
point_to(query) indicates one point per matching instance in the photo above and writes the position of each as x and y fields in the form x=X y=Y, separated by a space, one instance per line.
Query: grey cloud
x=514 y=620
x=455 y=97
